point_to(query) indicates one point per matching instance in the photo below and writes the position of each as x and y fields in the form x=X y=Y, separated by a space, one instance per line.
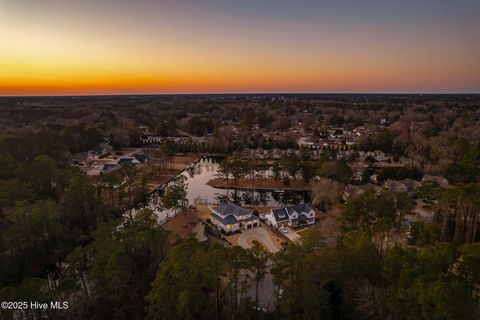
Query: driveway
x=292 y=235
x=259 y=234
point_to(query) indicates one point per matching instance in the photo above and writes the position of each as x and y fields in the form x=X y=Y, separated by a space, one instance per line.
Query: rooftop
x=231 y=208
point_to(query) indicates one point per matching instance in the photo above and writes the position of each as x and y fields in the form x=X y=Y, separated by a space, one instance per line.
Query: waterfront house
x=292 y=216
x=231 y=218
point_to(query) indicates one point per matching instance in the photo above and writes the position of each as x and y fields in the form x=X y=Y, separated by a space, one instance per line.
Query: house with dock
x=230 y=218
x=293 y=216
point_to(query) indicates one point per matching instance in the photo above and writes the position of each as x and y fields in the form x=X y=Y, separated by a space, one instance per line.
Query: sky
x=63 y=47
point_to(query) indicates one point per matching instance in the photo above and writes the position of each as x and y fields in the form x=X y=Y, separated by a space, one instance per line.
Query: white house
x=231 y=218
x=293 y=216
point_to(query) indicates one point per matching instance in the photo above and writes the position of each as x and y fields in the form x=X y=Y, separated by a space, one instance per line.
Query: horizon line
x=231 y=94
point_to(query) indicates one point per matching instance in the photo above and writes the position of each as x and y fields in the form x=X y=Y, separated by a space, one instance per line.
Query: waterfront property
x=292 y=216
x=231 y=218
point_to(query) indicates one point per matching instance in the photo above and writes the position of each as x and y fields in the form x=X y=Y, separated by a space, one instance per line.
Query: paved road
x=266 y=292
x=257 y=233
x=266 y=287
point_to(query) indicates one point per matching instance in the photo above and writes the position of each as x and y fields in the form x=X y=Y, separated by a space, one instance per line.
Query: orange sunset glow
x=52 y=48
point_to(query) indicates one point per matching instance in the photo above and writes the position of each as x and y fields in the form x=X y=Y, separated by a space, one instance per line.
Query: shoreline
x=262 y=184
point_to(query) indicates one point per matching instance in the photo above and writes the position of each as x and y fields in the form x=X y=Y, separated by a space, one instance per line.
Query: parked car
x=283 y=230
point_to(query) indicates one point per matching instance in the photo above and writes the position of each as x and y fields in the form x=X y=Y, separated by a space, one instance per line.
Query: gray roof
x=110 y=166
x=299 y=208
x=230 y=219
x=231 y=208
x=125 y=161
x=280 y=214
x=283 y=213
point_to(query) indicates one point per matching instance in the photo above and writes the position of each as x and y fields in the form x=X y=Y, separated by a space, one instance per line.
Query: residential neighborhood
x=234 y=196
x=239 y=160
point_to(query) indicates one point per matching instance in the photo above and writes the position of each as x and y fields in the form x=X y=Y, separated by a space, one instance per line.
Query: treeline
x=47 y=207
x=435 y=275
x=45 y=210
x=407 y=172
x=288 y=167
x=58 y=143
x=64 y=244
x=456 y=211
x=224 y=143
x=136 y=270
x=452 y=156
x=437 y=132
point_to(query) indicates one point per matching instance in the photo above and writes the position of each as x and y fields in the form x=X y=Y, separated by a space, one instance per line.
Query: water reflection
x=198 y=191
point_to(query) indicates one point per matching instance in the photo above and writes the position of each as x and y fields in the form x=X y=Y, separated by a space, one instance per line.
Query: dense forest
x=61 y=240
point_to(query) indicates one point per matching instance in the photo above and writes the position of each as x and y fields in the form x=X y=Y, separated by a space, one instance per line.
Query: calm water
x=199 y=192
